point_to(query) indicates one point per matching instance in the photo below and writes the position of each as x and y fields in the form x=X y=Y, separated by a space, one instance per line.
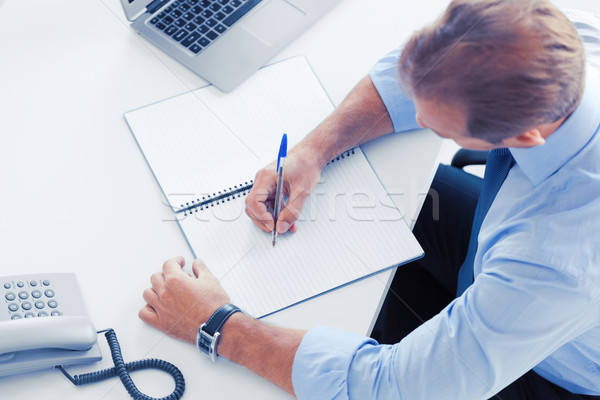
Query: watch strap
x=209 y=333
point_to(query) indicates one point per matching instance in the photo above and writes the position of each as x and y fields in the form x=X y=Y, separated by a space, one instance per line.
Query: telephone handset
x=64 y=332
x=44 y=325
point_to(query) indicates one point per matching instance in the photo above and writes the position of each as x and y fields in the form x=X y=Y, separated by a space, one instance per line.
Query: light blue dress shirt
x=535 y=302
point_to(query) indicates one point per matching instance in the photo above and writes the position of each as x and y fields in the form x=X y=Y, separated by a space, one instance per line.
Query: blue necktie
x=498 y=164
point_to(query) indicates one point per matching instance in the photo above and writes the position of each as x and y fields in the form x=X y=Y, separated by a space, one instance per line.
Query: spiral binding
x=216 y=198
x=122 y=370
x=345 y=154
x=237 y=191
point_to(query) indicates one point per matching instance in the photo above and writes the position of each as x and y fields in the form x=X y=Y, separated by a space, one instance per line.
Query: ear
x=530 y=138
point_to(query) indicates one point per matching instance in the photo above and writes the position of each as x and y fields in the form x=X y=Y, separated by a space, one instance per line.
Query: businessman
x=508 y=76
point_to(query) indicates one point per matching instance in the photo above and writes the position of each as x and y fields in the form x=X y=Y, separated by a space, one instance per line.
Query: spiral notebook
x=204 y=148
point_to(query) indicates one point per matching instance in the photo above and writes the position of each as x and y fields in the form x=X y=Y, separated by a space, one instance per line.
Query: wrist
x=209 y=332
x=232 y=334
x=321 y=146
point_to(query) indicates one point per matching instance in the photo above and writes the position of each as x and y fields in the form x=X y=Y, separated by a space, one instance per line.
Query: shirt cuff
x=322 y=361
x=386 y=79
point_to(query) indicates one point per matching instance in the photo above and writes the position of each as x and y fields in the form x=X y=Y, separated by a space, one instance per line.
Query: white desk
x=78 y=196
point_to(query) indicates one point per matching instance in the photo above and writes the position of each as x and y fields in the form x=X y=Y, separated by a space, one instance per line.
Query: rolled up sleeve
x=501 y=327
x=386 y=78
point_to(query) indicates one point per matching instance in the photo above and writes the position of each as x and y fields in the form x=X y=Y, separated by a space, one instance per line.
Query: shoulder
x=588 y=28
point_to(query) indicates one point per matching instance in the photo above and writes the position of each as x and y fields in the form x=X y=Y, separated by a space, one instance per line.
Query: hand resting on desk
x=178 y=303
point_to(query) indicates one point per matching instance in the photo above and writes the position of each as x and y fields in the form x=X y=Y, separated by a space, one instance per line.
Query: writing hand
x=301 y=176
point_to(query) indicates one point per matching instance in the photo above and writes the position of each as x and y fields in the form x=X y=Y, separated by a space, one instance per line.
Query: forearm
x=361 y=117
x=267 y=350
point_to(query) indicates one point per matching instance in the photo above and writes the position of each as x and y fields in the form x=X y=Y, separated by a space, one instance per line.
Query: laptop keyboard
x=195 y=24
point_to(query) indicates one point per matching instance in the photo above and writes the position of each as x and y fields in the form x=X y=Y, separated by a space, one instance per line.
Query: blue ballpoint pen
x=279 y=191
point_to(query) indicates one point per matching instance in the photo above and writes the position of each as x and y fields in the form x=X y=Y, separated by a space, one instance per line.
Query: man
x=488 y=74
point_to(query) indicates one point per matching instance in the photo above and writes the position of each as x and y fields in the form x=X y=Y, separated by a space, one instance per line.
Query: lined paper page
x=348 y=229
x=205 y=141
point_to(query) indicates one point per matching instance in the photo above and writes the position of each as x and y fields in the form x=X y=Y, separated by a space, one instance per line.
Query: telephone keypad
x=32 y=299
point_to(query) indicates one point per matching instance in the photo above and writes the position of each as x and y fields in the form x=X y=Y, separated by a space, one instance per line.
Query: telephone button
x=39 y=304
x=42 y=314
x=32 y=283
x=29 y=315
x=26 y=305
x=23 y=295
x=36 y=294
x=46 y=282
x=10 y=296
x=56 y=313
x=49 y=293
x=20 y=284
x=16 y=316
x=7 y=285
x=13 y=307
x=52 y=304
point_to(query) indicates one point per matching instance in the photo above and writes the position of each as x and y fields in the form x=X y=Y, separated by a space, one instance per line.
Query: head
x=495 y=72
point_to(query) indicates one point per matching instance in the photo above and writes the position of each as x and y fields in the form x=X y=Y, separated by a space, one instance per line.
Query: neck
x=549 y=129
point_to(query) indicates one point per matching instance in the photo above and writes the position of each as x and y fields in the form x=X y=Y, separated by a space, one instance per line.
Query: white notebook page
x=203 y=141
x=348 y=229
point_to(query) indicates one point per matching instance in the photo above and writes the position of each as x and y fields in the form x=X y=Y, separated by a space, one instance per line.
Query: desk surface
x=78 y=196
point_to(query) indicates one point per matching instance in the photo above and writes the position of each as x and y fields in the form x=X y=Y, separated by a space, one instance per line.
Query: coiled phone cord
x=122 y=370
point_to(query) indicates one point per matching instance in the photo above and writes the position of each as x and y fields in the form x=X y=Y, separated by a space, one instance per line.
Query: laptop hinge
x=155 y=5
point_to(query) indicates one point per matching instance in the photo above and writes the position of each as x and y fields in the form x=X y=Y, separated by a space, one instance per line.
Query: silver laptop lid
x=133 y=8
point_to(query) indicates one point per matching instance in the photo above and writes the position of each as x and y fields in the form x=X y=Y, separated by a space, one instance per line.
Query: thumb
x=198 y=267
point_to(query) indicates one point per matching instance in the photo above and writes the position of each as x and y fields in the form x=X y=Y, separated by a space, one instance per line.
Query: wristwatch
x=208 y=333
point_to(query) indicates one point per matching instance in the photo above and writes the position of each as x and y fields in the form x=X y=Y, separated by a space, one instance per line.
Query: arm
x=178 y=303
x=497 y=330
x=506 y=323
x=375 y=107
x=361 y=117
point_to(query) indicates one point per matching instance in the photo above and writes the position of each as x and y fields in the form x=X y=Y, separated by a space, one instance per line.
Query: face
x=448 y=122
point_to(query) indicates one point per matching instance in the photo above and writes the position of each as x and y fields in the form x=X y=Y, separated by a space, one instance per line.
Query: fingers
x=291 y=212
x=148 y=315
x=173 y=266
x=257 y=200
x=199 y=268
x=151 y=297
x=261 y=217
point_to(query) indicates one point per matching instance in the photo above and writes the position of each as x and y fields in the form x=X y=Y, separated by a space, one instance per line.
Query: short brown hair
x=510 y=65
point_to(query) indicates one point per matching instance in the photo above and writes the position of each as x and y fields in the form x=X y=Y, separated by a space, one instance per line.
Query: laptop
x=223 y=41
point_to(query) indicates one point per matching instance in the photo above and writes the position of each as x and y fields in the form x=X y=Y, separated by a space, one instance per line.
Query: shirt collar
x=540 y=162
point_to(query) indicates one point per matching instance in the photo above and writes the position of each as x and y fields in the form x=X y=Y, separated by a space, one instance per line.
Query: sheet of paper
x=206 y=141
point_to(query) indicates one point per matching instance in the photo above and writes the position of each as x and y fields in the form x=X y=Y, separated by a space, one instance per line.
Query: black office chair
x=464 y=157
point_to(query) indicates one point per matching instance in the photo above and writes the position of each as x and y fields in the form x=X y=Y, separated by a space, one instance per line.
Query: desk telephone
x=44 y=325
